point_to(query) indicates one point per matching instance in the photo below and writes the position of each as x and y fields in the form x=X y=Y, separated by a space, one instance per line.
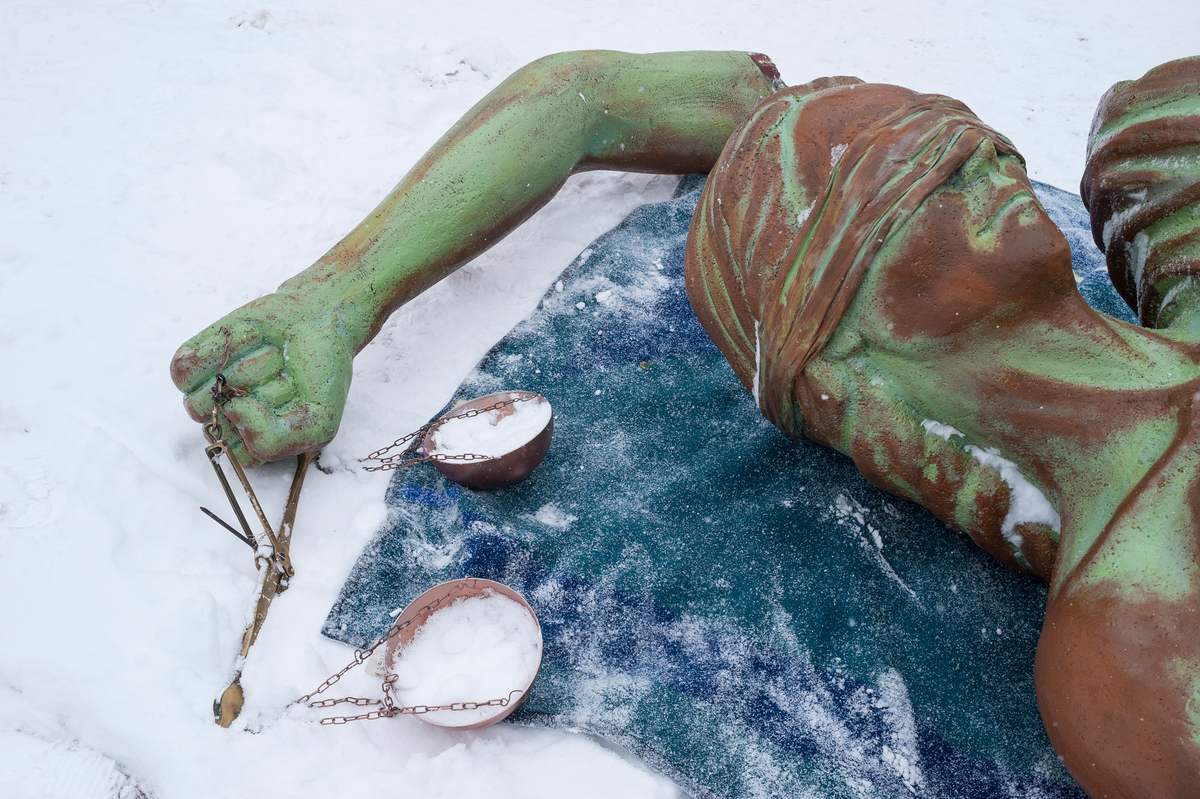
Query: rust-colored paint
x=1115 y=710
x=1141 y=171
x=769 y=70
x=960 y=306
x=875 y=267
x=1025 y=275
x=570 y=112
x=792 y=243
x=754 y=224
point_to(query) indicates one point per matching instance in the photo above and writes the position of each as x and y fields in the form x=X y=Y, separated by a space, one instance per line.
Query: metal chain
x=414 y=710
x=221 y=391
x=390 y=708
x=414 y=440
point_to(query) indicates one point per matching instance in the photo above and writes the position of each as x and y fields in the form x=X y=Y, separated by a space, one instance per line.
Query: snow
x=1026 y=502
x=552 y=515
x=755 y=382
x=903 y=756
x=936 y=428
x=166 y=162
x=477 y=649
x=835 y=155
x=495 y=433
x=850 y=512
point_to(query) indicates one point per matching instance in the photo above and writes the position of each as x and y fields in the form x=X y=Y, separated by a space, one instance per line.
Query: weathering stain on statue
x=876 y=268
x=1142 y=186
x=855 y=320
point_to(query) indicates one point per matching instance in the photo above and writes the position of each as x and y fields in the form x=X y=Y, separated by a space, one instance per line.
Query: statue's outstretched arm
x=291 y=351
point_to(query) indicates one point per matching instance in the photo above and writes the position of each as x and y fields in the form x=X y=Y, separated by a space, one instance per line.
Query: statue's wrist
x=320 y=305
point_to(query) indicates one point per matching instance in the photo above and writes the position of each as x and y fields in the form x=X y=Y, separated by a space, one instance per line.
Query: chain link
x=221 y=391
x=416 y=439
x=415 y=710
x=389 y=708
x=388 y=703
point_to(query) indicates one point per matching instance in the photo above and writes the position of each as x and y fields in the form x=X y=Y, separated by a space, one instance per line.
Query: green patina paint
x=969 y=315
x=506 y=158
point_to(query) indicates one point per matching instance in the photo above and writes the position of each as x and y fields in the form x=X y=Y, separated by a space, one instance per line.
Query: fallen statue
x=876 y=268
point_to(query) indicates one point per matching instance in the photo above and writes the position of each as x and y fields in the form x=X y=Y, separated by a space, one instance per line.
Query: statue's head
x=914 y=222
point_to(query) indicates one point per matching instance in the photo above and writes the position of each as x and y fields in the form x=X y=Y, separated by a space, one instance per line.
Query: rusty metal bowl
x=443 y=595
x=500 y=472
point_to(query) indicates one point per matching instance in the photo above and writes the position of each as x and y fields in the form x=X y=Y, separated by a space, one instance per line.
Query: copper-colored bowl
x=440 y=596
x=496 y=472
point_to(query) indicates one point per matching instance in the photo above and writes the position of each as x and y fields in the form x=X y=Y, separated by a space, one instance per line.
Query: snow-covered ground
x=164 y=162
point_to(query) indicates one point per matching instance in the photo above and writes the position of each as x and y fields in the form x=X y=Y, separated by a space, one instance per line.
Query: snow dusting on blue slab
x=1091 y=271
x=745 y=613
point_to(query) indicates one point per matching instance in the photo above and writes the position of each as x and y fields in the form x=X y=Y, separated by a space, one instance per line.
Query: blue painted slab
x=745 y=613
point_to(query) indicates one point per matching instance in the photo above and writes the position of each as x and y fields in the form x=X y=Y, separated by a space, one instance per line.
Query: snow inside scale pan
x=482 y=648
x=922 y=209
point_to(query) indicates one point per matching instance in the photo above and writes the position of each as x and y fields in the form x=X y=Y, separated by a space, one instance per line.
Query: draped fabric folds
x=806 y=193
x=1141 y=184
